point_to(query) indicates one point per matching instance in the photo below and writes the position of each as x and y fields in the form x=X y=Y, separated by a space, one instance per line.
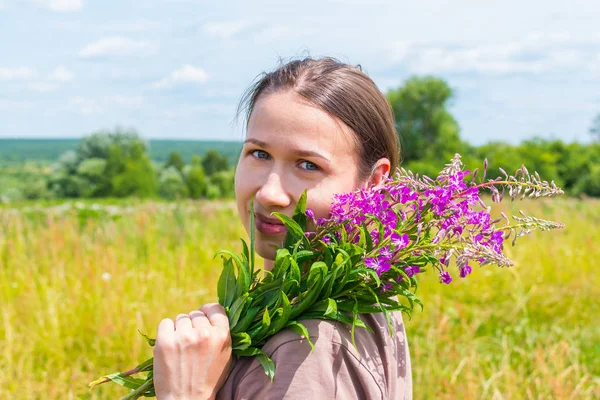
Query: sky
x=177 y=68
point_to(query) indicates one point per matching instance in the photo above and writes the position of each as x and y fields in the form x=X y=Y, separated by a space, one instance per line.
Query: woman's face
x=291 y=145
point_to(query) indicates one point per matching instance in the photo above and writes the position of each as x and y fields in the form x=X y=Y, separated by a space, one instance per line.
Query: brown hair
x=343 y=91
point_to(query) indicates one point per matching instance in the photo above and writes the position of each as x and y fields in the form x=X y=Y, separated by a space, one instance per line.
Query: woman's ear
x=380 y=171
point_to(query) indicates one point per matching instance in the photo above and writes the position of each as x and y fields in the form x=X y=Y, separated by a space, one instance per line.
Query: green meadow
x=78 y=280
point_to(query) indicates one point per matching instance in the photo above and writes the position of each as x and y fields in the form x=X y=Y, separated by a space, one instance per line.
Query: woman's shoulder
x=334 y=361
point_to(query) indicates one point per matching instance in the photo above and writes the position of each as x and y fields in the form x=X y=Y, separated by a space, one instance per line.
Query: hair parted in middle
x=343 y=91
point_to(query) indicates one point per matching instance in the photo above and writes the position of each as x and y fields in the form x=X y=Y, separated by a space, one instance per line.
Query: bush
x=224 y=181
x=171 y=185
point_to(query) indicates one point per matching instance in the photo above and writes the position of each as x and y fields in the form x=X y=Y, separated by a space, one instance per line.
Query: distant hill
x=51 y=149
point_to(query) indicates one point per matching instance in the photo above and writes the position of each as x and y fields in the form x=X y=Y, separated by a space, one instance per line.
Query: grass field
x=77 y=282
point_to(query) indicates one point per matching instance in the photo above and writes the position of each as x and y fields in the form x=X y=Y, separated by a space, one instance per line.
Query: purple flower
x=378 y=264
x=400 y=241
x=385 y=287
x=386 y=253
x=445 y=277
x=455 y=181
x=327 y=239
x=310 y=213
x=375 y=237
x=412 y=270
x=390 y=219
x=496 y=241
x=472 y=196
x=465 y=270
x=321 y=221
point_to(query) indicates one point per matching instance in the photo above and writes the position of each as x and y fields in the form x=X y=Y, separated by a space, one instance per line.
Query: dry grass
x=75 y=288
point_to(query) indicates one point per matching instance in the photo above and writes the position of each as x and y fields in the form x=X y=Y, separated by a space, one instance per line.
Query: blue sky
x=176 y=69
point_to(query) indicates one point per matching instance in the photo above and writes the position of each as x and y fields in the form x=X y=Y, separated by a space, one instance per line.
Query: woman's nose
x=272 y=193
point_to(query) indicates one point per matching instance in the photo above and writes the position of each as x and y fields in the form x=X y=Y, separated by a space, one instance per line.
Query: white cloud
x=185 y=111
x=61 y=74
x=85 y=106
x=126 y=101
x=594 y=66
x=397 y=51
x=118 y=46
x=484 y=59
x=13 y=105
x=52 y=81
x=132 y=26
x=61 y=5
x=17 y=73
x=535 y=54
x=277 y=32
x=42 y=87
x=225 y=29
x=185 y=74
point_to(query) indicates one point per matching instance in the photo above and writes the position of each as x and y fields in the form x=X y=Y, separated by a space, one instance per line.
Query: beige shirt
x=379 y=369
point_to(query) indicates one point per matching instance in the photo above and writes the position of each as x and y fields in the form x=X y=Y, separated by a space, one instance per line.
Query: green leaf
x=267 y=364
x=232 y=255
x=150 y=341
x=240 y=341
x=267 y=294
x=368 y=238
x=401 y=273
x=237 y=308
x=282 y=263
x=226 y=287
x=294 y=275
x=300 y=212
x=325 y=307
x=373 y=274
x=308 y=297
x=146 y=365
x=243 y=276
x=295 y=232
x=337 y=316
x=252 y=236
x=262 y=359
x=305 y=255
x=245 y=250
x=146 y=389
x=124 y=380
x=249 y=352
x=245 y=321
x=331 y=307
x=380 y=228
x=282 y=317
x=344 y=259
x=259 y=334
x=317 y=270
x=354 y=321
x=384 y=311
x=301 y=330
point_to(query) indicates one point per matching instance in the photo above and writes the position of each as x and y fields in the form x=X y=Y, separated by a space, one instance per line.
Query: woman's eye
x=309 y=166
x=260 y=154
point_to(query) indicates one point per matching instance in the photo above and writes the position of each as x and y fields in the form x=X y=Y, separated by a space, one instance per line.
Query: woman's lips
x=269 y=226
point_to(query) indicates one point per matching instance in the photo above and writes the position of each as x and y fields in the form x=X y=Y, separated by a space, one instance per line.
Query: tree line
x=430 y=136
x=118 y=163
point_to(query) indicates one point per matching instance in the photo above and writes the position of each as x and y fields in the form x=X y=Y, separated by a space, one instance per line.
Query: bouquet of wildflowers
x=366 y=256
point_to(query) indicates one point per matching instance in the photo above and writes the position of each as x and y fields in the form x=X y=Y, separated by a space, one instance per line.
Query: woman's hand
x=192 y=355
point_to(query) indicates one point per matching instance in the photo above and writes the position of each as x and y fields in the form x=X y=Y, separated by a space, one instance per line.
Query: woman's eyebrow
x=308 y=153
x=256 y=142
x=298 y=152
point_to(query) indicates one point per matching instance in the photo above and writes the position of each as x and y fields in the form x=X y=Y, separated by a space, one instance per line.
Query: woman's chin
x=267 y=251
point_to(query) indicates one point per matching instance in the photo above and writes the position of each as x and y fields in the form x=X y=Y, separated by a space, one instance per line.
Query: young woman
x=311 y=124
